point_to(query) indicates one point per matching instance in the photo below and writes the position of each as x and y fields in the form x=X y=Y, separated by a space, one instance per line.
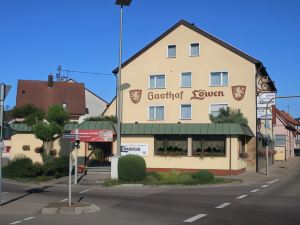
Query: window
x=171 y=51
x=186 y=112
x=195 y=50
x=186 y=79
x=214 y=108
x=170 y=145
x=157 y=81
x=156 y=112
x=64 y=105
x=280 y=140
x=209 y=145
x=219 y=79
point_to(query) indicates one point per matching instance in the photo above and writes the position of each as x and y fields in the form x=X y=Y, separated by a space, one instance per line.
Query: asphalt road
x=271 y=201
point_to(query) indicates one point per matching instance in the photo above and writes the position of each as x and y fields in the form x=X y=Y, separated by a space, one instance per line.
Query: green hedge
x=23 y=167
x=204 y=176
x=131 y=168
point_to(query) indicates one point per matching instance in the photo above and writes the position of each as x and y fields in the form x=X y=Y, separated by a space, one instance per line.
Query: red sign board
x=95 y=135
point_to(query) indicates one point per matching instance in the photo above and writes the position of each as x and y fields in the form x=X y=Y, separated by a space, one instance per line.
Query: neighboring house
x=95 y=105
x=44 y=94
x=285 y=133
x=176 y=81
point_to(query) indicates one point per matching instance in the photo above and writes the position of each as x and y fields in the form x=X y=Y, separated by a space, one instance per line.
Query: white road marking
x=264 y=186
x=84 y=191
x=4 y=193
x=273 y=181
x=255 y=190
x=97 y=182
x=29 y=218
x=16 y=222
x=194 y=218
x=242 y=196
x=63 y=200
x=223 y=205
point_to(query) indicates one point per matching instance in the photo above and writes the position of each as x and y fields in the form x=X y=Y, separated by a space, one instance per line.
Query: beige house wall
x=61 y=145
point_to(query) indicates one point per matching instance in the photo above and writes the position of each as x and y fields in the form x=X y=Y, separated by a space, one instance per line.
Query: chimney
x=50 y=80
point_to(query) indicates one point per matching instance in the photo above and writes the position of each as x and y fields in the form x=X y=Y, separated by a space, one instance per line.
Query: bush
x=131 y=168
x=152 y=178
x=203 y=176
x=18 y=167
x=57 y=167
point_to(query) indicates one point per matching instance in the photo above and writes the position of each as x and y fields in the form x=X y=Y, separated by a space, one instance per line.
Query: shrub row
x=23 y=167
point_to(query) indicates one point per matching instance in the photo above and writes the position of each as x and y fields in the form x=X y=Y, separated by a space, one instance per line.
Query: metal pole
x=70 y=175
x=119 y=97
x=76 y=158
x=2 y=90
x=267 y=106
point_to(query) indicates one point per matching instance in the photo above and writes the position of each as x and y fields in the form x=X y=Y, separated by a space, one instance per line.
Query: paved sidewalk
x=278 y=169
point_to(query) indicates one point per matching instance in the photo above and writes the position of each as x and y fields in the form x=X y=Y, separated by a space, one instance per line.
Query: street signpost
x=4 y=89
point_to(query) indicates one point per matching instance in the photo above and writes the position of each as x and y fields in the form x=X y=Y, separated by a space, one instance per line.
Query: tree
x=52 y=127
x=30 y=113
x=229 y=115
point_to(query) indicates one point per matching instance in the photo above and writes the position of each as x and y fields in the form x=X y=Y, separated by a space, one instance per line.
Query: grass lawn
x=175 y=178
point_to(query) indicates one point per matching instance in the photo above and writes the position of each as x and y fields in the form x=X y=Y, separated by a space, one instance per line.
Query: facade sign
x=264 y=98
x=134 y=149
x=95 y=135
x=261 y=113
x=135 y=95
x=202 y=94
x=238 y=92
x=168 y=95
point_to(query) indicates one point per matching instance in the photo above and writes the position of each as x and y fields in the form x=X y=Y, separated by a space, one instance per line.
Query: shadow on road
x=28 y=192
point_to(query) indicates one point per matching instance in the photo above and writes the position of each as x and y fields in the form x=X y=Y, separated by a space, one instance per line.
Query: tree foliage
x=229 y=115
x=30 y=113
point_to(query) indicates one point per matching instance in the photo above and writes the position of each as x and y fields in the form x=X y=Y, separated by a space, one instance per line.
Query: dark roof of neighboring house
x=285 y=118
x=40 y=95
x=70 y=79
x=196 y=29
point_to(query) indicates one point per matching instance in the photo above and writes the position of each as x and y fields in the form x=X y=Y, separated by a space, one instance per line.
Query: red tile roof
x=39 y=94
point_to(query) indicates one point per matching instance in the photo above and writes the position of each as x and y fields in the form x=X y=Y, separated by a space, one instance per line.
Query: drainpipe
x=230 y=156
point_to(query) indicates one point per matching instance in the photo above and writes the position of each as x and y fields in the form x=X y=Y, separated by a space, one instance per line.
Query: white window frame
x=181 y=80
x=190 y=49
x=219 y=103
x=181 y=114
x=155 y=75
x=210 y=84
x=155 y=112
x=171 y=57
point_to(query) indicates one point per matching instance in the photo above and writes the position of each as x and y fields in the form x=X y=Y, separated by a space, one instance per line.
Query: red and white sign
x=95 y=135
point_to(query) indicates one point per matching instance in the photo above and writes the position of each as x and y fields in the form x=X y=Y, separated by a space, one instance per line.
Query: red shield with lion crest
x=135 y=95
x=238 y=92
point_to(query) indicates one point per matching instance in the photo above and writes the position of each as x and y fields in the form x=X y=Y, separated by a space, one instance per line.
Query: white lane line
x=84 y=191
x=16 y=222
x=273 y=181
x=97 y=182
x=242 y=196
x=264 y=186
x=63 y=200
x=29 y=218
x=255 y=190
x=194 y=218
x=223 y=205
x=4 y=193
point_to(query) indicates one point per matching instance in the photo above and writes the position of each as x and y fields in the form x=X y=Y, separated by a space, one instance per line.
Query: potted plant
x=38 y=150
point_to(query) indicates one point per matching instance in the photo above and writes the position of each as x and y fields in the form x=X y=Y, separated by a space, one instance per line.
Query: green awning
x=20 y=128
x=186 y=129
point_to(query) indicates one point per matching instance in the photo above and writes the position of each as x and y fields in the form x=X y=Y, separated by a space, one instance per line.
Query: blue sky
x=37 y=36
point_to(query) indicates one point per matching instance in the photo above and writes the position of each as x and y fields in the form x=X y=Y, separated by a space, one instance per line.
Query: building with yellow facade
x=175 y=82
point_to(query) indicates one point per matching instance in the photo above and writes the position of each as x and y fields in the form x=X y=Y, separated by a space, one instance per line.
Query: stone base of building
x=218 y=172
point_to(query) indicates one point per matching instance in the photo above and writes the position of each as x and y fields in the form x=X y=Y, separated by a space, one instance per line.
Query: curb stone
x=83 y=209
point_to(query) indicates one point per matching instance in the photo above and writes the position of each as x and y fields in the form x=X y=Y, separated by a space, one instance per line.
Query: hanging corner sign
x=4 y=90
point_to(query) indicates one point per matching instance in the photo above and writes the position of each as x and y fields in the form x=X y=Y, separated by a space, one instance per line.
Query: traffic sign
x=4 y=90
